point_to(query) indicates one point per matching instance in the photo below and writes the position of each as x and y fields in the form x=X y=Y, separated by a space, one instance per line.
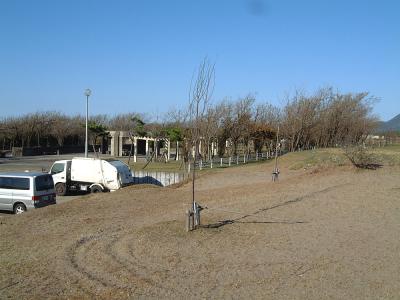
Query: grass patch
x=312 y=158
x=389 y=155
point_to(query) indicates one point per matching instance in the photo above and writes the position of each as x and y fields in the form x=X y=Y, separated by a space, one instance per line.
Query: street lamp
x=88 y=92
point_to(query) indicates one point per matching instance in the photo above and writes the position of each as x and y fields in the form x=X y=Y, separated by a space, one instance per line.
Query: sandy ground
x=316 y=234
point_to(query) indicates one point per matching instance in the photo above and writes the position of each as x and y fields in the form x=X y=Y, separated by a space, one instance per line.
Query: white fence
x=167 y=178
x=224 y=162
x=158 y=178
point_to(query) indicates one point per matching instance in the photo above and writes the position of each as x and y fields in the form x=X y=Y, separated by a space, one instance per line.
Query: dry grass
x=312 y=235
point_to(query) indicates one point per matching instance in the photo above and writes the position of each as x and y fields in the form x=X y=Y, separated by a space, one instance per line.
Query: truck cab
x=61 y=172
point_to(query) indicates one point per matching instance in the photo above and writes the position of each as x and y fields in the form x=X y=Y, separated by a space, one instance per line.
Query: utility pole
x=88 y=92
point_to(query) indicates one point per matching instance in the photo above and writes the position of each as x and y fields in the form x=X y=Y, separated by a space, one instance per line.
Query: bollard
x=256 y=155
x=211 y=163
x=229 y=162
x=201 y=164
x=237 y=159
x=221 y=162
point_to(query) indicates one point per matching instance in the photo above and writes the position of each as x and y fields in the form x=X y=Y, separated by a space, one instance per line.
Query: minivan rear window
x=14 y=183
x=44 y=182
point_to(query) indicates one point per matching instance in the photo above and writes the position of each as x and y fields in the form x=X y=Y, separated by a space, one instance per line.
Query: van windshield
x=44 y=182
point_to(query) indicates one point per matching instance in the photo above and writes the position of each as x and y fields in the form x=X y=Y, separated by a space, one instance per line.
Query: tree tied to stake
x=201 y=89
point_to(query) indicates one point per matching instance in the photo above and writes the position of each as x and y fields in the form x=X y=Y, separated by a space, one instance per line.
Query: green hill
x=391 y=125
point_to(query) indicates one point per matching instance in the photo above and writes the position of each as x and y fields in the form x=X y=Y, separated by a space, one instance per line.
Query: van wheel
x=19 y=208
x=61 y=189
x=96 y=189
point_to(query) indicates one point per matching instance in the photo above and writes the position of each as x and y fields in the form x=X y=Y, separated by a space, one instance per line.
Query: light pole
x=88 y=92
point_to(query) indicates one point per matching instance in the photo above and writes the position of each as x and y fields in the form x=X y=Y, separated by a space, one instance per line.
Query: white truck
x=90 y=174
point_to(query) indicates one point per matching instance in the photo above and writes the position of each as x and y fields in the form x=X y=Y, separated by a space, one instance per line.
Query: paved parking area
x=34 y=163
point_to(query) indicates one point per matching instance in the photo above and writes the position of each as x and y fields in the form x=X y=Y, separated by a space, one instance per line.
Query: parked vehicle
x=90 y=174
x=26 y=190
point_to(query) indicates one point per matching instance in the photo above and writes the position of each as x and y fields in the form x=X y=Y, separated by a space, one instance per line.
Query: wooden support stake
x=192 y=227
x=197 y=218
x=188 y=228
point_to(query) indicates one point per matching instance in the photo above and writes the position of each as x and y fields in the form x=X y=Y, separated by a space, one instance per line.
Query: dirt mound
x=312 y=235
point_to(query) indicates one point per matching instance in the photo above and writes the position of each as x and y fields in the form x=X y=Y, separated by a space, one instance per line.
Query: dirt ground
x=318 y=233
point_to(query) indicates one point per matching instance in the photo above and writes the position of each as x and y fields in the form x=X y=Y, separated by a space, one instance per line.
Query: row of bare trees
x=327 y=119
x=324 y=119
x=43 y=129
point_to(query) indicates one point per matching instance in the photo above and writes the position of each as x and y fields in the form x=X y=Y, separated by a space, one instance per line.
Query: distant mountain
x=391 y=125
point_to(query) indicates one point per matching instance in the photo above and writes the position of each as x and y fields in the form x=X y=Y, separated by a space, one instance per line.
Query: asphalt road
x=32 y=163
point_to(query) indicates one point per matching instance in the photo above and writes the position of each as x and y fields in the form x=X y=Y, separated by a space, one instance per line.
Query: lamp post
x=88 y=92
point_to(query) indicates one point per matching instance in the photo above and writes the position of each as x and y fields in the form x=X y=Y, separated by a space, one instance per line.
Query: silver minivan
x=26 y=190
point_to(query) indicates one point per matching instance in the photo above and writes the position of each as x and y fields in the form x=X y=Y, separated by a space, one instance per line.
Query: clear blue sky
x=140 y=55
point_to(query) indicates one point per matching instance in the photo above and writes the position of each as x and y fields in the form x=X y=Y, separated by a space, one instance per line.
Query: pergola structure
x=120 y=142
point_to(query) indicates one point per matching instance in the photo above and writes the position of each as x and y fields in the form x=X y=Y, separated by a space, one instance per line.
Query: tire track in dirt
x=86 y=282
x=119 y=250
x=122 y=261
x=98 y=274
x=113 y=268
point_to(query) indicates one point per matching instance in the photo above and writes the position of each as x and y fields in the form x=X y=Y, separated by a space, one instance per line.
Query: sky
x=140 y=56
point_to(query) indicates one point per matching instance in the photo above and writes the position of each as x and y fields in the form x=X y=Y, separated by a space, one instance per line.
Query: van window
x=57 y=168
x=14 y=183
x=44 y=182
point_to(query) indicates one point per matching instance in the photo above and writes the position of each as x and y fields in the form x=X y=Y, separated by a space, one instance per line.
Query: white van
x=26 y=190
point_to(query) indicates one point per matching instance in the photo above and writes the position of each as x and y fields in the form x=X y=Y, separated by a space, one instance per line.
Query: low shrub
x=362 y=157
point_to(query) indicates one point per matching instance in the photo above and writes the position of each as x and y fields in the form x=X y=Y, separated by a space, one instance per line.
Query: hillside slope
x=319 y=232
x=391 y=125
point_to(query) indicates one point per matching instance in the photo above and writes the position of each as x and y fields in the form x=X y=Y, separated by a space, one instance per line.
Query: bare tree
x=200 y=92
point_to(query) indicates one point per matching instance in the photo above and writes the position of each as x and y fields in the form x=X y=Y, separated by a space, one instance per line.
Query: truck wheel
x=19 y=208
x=96 y=189
x=61 y=189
